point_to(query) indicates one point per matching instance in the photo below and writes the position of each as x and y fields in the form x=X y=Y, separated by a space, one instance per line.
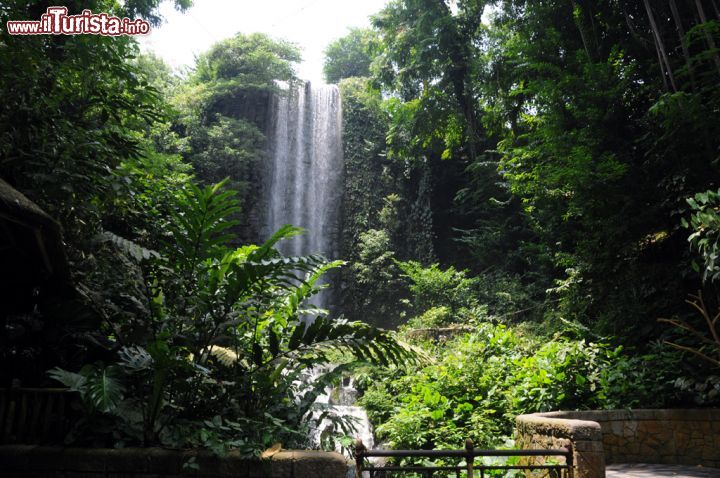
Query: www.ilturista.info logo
x=57 y=22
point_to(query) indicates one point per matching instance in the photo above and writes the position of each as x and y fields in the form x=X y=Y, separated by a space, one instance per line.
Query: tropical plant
x=221 y=332
x=99 y=387
x=704 y=225
x=481 y=377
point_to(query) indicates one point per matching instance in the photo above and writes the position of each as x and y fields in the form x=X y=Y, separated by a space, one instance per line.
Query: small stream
x=340 y=401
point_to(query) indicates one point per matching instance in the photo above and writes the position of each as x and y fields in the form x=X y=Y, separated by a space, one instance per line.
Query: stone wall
x=27 y=461
x=683 y=437
x=582 y=437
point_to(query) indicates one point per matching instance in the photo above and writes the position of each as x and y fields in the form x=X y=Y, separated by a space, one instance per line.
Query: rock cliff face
x=255 y=106
x=251 y=104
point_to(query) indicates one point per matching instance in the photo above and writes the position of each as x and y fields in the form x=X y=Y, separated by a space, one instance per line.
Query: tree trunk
x=581 y=27
x=659 y=44
x=662 y=65
x=717 y=10
x=681 y=35
x=593 y=28
x=708 y=36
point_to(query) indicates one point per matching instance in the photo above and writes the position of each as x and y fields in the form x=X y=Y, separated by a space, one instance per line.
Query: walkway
x=641 y=470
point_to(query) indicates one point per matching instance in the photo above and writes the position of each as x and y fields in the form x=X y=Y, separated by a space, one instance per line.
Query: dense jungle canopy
x=530 y=205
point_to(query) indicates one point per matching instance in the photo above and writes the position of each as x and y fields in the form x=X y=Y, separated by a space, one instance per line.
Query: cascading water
x=305 y=174
x=305 y=189
x=341 y=402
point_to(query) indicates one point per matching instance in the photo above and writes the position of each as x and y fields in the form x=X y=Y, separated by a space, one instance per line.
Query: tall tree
x=349 y=56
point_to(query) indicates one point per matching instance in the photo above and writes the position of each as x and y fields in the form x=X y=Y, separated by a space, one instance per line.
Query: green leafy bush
x=705 y=237
x=212 y=347
x=479 y=381
x=432 y=286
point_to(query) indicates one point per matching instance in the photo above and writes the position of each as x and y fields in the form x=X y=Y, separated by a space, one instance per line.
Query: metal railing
x=34 y=416
x=530 y=461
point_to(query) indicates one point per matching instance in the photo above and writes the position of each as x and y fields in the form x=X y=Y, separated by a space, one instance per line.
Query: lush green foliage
x=482 y=379
x=537 y=144
x=251 y=60
x=522 y=179
x=433 y=287
x=371 y=282
x=545 y=139
x=178 y=337
x=482 y=373
x=212 y=347
x=222 y=115
x=75 y=108
x=349 y=56
x=705 y=226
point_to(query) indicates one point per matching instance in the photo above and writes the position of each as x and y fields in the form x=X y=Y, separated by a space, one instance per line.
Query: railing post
x=359 y=451
x=570 y=462
x=470 y=458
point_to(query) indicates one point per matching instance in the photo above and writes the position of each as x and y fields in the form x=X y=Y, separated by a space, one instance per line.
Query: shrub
x=211 y=346
x=480 y=381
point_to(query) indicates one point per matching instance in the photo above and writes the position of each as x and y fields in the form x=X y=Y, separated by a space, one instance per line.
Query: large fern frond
x=127 y=246
x=309 y=345
x=201 y=223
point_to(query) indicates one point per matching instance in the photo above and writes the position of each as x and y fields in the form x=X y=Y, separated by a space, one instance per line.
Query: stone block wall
x=682 y=437
x=28 y=461
x=583 y=438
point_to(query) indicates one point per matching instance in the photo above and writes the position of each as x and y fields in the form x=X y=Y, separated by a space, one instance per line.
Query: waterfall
x=304 y=188
x=306 y=166
x=340 y=401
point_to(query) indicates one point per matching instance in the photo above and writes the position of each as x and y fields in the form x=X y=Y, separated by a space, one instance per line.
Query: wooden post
x=359 y=450
x=470 y=459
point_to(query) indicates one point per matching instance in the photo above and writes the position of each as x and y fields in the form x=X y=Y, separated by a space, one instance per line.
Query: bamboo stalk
x=659 y=44
x=681 y=35
x=708 y=37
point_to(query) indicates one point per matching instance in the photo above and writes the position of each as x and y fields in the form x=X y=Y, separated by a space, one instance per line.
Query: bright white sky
x=311 y=24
